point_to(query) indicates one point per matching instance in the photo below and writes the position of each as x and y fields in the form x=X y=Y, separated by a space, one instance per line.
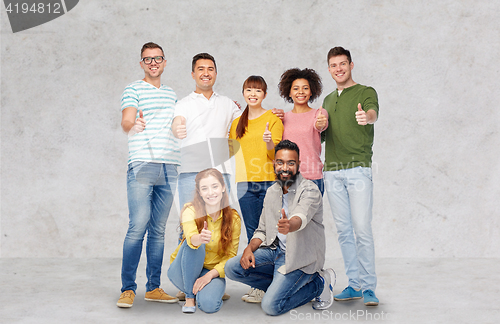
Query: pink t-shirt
x=300 y=129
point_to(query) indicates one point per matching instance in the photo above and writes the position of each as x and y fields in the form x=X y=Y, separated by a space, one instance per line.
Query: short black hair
x=287 y=145
x=202 y=56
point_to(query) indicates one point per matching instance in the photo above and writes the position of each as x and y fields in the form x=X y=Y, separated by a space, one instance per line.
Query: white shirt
x=282 y=237
x=207 y=126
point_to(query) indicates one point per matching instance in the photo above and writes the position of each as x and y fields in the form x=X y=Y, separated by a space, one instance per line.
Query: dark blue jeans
x=283 y=291
x=251 y=198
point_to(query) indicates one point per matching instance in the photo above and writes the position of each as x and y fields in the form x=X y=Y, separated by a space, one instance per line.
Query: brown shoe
x=126 y=299
x=181 y=296
x=225 y=297
x=159 y=295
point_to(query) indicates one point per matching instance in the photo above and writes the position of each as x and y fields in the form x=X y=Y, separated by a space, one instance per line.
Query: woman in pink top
x=303 y=125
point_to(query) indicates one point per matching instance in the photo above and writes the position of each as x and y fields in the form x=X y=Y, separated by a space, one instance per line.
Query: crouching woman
x=211 y=236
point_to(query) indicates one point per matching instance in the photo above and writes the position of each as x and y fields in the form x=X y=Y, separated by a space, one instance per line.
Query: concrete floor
x=410 y=291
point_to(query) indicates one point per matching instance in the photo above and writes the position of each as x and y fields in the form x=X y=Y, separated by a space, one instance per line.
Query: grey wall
x=434 y=65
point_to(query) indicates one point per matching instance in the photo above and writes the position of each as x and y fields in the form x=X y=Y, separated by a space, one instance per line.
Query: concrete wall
x=434 y=65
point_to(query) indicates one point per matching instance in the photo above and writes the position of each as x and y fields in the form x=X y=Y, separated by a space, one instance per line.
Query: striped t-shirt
x=157 y=142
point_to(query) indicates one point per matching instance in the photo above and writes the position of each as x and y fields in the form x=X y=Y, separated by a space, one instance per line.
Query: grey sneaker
x=245 y=296
x=256 y=296
x=325 y=300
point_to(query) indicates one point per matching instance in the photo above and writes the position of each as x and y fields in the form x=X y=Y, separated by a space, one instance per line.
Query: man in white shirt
x=202 y=120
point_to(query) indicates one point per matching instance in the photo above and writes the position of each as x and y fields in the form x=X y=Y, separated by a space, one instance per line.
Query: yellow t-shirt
x=212 y=259
x=253 y=161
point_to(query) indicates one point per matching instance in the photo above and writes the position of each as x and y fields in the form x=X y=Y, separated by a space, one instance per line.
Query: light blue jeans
x=350 y=193
x=150 y=193
x=186 y=268
x=283 y=291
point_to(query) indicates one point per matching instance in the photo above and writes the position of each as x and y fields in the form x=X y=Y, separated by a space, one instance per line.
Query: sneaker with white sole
x=245 y=296
x=325 y=300
x=126 y=299
x=348 y=293
x=161 y=296
x=369 y=298
x=256 y=296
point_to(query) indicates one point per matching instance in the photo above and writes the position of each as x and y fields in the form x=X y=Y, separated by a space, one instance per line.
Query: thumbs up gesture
x=321 y=121
x=139 y=125
x=267 y=137
x=179 y=127
x=205 y=234
x=283 y=223
x=361 y=116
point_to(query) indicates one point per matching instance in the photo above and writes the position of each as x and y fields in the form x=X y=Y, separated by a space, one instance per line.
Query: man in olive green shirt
x=352 y=111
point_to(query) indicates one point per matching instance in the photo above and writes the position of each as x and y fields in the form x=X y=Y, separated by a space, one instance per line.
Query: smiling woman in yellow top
x=257 y=131
x=211 y=237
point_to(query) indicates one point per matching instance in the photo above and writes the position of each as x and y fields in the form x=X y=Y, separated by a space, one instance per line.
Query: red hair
x=200 y=213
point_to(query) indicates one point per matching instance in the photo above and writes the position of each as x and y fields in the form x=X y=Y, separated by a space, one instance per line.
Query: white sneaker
x=325 y=300
x=256 y=296
x=245 y=296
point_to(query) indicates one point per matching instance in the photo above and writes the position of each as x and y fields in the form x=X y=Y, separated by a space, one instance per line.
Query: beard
x=286 y=183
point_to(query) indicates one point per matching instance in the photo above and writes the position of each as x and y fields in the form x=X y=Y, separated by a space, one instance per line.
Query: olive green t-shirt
x=348 y=145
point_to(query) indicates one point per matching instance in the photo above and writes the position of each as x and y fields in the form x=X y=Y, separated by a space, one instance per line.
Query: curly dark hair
x=291 y=75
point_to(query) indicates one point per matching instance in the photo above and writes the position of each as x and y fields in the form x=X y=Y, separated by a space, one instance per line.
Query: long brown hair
x=200 y=212
x=255 y=82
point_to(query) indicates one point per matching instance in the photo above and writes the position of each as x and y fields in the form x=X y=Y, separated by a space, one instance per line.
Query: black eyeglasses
x=149 y=60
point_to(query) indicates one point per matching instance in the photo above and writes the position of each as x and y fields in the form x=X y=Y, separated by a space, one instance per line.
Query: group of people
x=187 y=145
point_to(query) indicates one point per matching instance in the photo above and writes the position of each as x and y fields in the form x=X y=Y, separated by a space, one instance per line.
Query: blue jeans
x=283 y=291
x=321 y=185
x=350 y=193
x=186 y=268
x=251 y=198
x=150 y=193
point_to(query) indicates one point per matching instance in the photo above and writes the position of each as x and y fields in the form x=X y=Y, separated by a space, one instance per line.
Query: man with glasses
x=147 y=113
x=286 y=254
